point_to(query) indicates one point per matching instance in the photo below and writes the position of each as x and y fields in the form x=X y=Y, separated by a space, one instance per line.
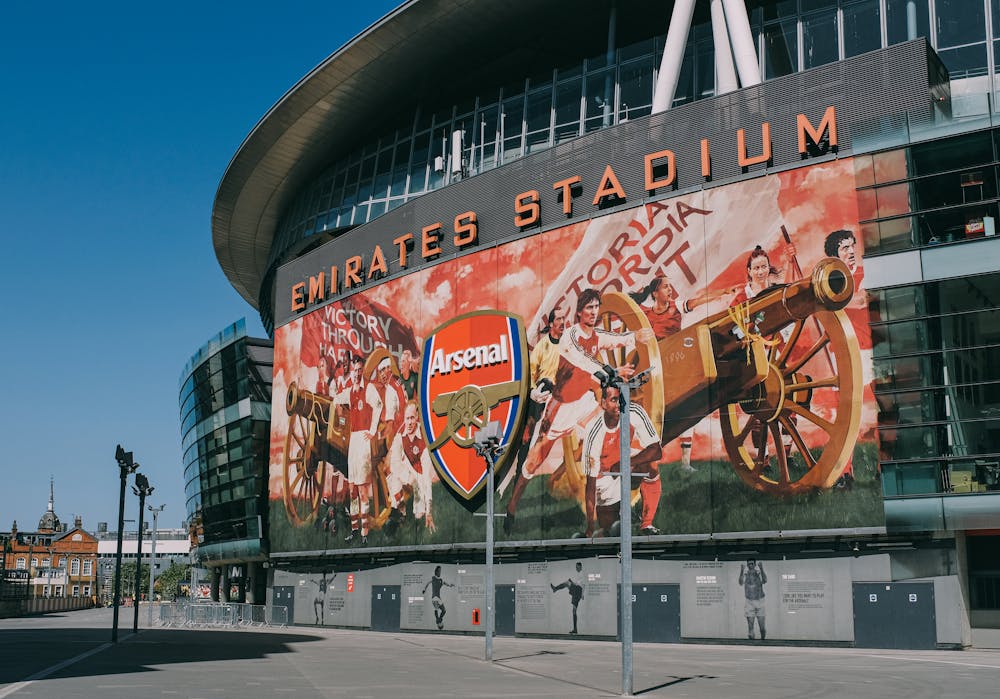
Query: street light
x=487 y=445
x=125 y=467
x=152 y=557
x=610 y=377
x=142 y=488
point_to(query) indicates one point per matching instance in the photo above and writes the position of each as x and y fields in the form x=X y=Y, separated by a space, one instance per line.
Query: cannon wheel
x=303 y=472
x=807 y=379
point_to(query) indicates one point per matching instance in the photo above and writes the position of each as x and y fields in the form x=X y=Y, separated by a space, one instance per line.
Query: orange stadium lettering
x=470 y=358
x=659 y=169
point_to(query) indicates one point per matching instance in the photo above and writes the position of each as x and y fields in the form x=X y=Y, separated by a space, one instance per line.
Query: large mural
x=745 y=306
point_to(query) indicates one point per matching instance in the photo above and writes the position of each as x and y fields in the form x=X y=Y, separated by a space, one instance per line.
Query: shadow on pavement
x=28 y=651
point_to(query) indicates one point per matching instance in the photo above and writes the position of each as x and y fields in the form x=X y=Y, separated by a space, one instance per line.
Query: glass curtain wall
x=938 y=385
x=929 y=194
x=225 y=418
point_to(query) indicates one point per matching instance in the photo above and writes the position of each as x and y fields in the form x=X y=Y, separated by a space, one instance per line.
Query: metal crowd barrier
x=222 y=615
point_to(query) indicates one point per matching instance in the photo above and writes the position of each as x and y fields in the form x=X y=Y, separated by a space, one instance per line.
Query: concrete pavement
x=303 y=663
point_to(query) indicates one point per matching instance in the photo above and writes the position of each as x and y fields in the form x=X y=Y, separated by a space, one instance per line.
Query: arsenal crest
x=473 y=372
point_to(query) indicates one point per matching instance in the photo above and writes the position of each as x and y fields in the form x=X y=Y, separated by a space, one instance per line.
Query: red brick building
x=60 y=561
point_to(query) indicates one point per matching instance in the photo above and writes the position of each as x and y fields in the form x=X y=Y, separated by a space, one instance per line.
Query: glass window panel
x=511 y=148
x=959 y=223
x=870 y=237
x=862 y=32
x=891 y=166
x=954 y=188
x=704 y=69
x=381 y=186
x=907 y=19
x=952 y=153
x=636 y=88
x=893 y=200
x=920 y=442
x=819 y=39
x=960 y=22
x=964 y=62
x=512 y=120
x=570 y=71
x=568 y=97
x=538 y=113
x=786 y=8
x=780 y=49
x=922 y=478
x=600 y=95
x=967 y=293
x=639 y=49
x=418 y=162
x=685 y=81
x=539 y=140
x=867 y=204
x=907 y=372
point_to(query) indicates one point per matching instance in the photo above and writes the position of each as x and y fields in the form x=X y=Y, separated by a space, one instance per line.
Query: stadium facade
x=783 y=212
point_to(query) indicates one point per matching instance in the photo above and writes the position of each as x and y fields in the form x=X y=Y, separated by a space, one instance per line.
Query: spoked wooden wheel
x=303 y=471
x=795 y=431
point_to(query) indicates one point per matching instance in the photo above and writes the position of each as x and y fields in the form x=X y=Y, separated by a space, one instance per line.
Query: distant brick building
x=60 y=561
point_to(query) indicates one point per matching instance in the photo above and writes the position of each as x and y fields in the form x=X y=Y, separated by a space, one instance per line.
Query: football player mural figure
x=543 y=363
x=410 y=467
x=365 y=410
x=601 y=458
x=436 y=583
x=319 y=602
x=573 y=401
x=574 y=585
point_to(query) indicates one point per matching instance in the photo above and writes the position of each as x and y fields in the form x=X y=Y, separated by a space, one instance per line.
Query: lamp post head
x=125 y=461
x=142 y=488
x=487 y=440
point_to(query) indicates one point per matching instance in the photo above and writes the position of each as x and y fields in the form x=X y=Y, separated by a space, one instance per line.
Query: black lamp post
x=125 y=467
x=142 y=488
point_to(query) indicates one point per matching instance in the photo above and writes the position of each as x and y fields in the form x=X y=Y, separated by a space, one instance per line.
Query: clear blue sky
x=117 y=121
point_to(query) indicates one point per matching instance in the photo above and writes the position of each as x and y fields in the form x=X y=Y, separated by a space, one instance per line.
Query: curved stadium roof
x=423 y=52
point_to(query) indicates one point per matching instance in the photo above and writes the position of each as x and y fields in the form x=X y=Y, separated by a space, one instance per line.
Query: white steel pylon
x=732 y=38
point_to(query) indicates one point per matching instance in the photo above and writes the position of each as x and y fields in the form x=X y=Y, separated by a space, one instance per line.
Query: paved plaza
x=68 y=655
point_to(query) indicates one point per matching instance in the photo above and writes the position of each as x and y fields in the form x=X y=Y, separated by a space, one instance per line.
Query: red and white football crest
x=474 y=372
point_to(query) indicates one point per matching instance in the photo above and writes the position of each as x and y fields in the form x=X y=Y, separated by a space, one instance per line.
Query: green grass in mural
x=710 y=499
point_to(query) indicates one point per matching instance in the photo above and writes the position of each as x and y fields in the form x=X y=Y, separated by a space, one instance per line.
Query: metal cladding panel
x=871 y=92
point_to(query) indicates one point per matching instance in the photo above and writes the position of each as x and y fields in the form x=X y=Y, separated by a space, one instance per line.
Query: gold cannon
x=783 y=370
x=311 y=444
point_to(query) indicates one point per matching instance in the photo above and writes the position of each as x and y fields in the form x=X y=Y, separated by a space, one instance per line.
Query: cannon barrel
x=706 y=365
x=307 y=404
x=829 y=288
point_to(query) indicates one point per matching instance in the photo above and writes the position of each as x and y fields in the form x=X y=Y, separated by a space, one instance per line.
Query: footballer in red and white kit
x=572 y=403
x=366 y=409
x=390 y=391
x=602 y=456
x=410 y=465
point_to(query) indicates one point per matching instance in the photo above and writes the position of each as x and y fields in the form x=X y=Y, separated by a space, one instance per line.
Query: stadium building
x=782 y=214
